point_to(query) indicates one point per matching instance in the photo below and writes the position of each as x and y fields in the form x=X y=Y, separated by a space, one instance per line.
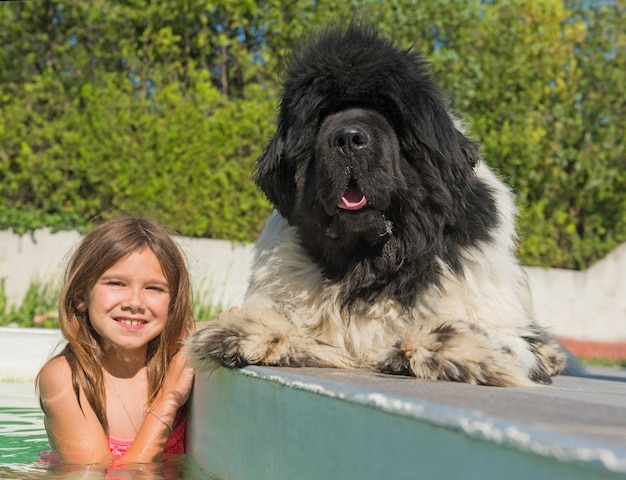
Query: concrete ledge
x=278 y=423
x=23 y=351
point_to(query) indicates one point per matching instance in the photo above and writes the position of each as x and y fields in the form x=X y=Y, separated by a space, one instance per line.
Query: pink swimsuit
x=175 y=444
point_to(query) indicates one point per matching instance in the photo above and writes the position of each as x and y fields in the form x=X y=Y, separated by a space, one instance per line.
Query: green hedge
x=161 y=108
x=103 y=150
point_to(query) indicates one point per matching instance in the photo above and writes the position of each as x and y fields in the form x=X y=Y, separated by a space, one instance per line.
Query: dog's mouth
x=356 y=218
x=352 y=198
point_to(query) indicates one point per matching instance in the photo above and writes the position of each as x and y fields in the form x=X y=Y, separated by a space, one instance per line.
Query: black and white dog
x=393 y=245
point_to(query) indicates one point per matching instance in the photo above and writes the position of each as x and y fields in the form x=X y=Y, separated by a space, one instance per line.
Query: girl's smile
x=131 y=323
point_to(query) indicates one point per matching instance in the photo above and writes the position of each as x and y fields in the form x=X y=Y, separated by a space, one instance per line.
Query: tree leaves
x=161 y=108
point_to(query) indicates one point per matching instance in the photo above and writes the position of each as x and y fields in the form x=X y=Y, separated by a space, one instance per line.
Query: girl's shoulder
x=54 y=376
x=56 y=365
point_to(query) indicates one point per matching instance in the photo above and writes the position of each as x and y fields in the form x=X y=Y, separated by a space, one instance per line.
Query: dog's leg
x=259 y=337
x=464 y=352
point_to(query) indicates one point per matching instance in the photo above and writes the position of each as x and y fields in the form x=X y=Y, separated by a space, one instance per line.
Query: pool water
x=23 y=437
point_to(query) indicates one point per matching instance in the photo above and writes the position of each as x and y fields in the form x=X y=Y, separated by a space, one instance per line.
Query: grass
x=604 y=362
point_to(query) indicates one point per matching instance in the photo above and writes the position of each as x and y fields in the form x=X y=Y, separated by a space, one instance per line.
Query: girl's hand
x=178 y=382
x=230 y=310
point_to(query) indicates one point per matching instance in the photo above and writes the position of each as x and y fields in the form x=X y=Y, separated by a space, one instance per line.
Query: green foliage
x=148 y=129
x=161 y=108
x=605 y=362
x=38 y=308
x=205 y=307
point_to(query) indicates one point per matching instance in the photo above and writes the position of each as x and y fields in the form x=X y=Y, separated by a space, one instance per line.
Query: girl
x=119 y=388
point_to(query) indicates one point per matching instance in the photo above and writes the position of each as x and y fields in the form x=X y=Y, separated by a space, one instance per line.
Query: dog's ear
x=275 y=176
x=470 y=150
x=457 y=155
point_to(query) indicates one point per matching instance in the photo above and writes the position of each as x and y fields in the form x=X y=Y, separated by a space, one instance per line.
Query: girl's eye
x=157 y=288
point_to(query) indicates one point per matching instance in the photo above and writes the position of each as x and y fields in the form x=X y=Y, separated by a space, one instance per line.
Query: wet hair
x=99 y=250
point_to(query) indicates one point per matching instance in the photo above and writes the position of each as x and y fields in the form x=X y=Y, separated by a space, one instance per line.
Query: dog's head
x=366 y=150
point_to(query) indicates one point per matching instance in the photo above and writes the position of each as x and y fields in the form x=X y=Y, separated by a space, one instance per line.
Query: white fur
x=292 y=310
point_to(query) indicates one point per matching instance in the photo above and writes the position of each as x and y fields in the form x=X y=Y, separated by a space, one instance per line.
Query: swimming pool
x=22 y=432
x=23 y=437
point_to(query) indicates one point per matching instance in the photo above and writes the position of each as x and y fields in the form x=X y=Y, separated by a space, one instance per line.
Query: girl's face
x=128 y=305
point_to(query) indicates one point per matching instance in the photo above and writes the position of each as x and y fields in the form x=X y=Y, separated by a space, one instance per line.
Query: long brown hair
x=100 y=249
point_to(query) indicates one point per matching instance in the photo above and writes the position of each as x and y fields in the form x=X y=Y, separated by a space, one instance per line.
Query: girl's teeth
x=130 y=322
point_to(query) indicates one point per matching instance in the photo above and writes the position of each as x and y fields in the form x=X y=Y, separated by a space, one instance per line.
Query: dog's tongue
x=352 y=198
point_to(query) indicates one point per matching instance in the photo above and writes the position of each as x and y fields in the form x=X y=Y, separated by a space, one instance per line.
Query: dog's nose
x=349 y=137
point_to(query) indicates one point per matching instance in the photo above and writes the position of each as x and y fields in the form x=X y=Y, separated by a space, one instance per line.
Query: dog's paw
x=451 y=351
x=215 y=344
x=259 y=337
x=551 y=355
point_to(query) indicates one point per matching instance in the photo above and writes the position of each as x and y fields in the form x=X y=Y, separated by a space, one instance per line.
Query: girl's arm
x=154 y=432
x=75 y=434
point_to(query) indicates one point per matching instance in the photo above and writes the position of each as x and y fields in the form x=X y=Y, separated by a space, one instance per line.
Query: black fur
x=408 y=158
